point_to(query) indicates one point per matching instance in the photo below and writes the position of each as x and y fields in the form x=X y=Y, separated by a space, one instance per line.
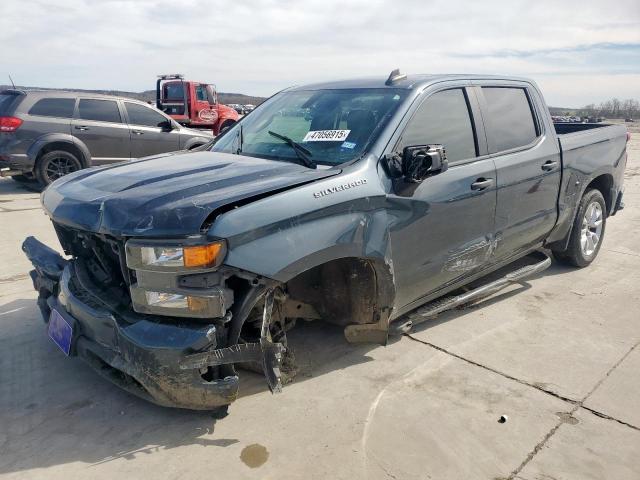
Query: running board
x=443 y=304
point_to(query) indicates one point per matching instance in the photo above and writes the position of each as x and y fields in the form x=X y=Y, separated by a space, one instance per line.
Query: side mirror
x=166 y=126
x=418 y=162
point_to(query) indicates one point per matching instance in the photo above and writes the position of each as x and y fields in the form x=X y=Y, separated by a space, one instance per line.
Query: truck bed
x=564 y=128
x=611 y=138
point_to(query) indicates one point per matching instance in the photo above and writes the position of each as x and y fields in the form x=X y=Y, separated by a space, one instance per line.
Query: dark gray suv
x=47 y=134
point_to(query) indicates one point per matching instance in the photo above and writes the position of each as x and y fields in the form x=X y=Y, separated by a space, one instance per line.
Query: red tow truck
x=193 y=104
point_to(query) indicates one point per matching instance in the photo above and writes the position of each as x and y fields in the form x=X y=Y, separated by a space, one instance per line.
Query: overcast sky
x=578 y=51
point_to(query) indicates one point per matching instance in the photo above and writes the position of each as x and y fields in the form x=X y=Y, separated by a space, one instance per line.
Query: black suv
x=47 y=134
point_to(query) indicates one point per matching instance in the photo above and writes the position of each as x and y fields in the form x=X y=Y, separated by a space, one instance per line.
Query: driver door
x=204 y=112
x=443 y=227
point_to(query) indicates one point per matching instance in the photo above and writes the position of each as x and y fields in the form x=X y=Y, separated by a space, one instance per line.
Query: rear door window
x=141 y=115
x=511 y=123
x=54 y=107
x=443 y=119
x=99 y=110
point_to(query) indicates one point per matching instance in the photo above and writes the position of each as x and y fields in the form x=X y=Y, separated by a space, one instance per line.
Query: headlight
x=212 y=303
x=160 y=264
x=149 y=256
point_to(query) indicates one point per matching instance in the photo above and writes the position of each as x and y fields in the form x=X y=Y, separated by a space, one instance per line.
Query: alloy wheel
x=591 y=231
x=59 y=166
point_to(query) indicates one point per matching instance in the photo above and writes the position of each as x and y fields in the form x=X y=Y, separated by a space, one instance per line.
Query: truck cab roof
x=408 y=82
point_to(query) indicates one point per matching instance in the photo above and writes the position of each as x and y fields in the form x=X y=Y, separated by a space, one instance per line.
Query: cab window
x=201 y=93
x=443 y=118
x=511 y=122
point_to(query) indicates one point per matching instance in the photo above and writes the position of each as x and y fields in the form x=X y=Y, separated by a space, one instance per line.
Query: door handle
x=549 y=165
x=137 y=132
x=82 y=127
x=482 y=183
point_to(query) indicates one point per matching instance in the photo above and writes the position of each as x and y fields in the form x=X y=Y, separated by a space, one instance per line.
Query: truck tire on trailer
x=55 y=164
x=588 y=231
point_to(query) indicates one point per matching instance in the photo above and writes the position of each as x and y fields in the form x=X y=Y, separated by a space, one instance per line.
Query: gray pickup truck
x=354 y=202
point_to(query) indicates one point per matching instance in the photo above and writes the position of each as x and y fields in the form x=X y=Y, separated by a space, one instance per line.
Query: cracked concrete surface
x=558 y=357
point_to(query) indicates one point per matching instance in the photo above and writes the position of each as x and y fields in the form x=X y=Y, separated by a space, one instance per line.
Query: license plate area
x=60 y=330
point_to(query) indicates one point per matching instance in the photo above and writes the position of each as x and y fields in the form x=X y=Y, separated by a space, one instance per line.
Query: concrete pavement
x=558 y=357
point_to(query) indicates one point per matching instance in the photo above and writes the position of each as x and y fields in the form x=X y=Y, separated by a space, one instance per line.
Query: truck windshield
x=329 y=126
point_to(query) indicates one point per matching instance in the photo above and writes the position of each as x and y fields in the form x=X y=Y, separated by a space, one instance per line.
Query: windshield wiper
x=302 y=153
x=240 y=139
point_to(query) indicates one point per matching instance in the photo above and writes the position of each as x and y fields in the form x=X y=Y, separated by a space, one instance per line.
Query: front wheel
x=588 y=231
x=53 y=165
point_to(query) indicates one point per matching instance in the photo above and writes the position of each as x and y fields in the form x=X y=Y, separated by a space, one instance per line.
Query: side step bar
x=431 y=309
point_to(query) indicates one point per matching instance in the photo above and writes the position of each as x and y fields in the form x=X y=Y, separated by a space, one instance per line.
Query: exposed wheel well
x=603 y=183
x=342 y=291
x=64 y=146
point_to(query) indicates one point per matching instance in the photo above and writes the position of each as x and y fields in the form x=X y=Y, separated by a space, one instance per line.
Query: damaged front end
x=168 y=332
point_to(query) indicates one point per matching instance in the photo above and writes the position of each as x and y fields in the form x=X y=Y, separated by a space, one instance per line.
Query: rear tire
x=55 y=164
x=587 y=233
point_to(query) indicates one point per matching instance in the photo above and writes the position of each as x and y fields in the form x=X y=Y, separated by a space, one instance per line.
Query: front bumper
x=142 y=357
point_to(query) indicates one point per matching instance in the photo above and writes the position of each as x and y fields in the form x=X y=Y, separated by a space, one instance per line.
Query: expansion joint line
x=575 y=403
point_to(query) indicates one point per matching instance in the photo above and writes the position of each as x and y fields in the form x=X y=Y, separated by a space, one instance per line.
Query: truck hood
x=167 y=195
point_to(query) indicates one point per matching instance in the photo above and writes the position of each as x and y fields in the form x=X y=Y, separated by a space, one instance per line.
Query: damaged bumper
x=184 y=364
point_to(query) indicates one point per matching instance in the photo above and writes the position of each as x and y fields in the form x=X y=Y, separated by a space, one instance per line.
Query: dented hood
x=167 y=195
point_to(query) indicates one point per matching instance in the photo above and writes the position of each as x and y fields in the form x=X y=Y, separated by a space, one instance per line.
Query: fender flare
x=189 y=144
x=49 y=138
x=559 y=237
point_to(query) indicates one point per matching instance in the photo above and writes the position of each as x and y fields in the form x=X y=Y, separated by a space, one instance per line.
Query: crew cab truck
x=351 y=202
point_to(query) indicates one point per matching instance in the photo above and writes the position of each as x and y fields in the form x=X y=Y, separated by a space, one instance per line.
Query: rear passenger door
x=443 y=230
x=527 y=163
x=148 y=131
x=98 y=124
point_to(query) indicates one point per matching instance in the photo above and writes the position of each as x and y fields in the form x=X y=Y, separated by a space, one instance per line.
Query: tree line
x=614 y=108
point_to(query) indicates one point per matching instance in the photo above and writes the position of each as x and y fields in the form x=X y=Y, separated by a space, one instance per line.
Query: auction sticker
x=326 y=136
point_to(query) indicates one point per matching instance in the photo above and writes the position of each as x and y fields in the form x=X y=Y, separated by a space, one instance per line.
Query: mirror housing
x=167 y=126
x=417 y=162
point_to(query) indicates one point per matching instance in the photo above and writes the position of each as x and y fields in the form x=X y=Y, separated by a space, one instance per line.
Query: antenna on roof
x=394 y=76
x=11 y=79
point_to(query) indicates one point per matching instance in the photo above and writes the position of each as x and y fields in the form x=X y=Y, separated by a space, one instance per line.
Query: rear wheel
x=588 y=231
x=53 y=165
